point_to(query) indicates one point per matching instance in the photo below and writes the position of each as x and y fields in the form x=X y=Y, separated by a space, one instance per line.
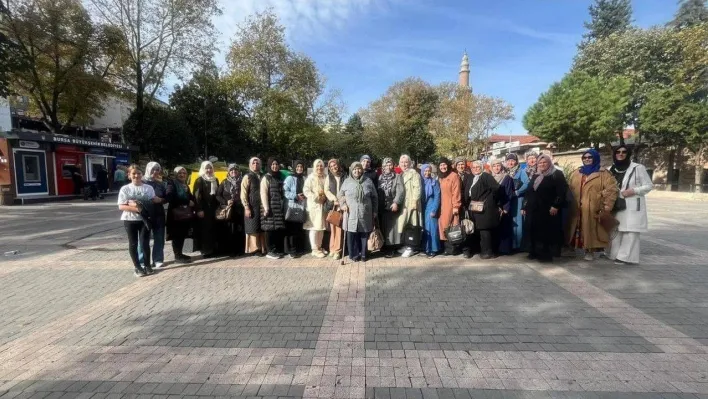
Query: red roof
x=521 y=138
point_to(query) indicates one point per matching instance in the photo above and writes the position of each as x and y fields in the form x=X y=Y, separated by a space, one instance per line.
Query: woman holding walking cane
x=358 y=200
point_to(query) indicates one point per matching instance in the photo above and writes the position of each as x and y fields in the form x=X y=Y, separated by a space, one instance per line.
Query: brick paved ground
x=74 y=322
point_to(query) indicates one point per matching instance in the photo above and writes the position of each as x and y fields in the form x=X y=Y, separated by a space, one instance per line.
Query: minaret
x=465 y=71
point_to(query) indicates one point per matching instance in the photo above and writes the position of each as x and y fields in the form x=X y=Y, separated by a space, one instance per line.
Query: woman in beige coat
x=314 y=191
x=333 y=184
x=595 y=191
x=410 y=214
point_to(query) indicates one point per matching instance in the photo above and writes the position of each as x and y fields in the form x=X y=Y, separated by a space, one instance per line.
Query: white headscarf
x=210 y=179
x=475 y=179
x=150 y=169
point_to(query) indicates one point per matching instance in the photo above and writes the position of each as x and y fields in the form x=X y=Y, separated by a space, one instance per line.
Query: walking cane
x=344 y=238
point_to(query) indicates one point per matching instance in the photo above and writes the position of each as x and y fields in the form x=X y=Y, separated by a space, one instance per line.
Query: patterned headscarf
x=512 y=171
x=234 y=180
x=542 y=175
x=502 y=173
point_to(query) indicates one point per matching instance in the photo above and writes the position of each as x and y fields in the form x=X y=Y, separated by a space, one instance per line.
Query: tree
x=354 y=125
x=608 y=17
x=398 y=122
x=10 y=60
x=282 y=92
x=465 y=120
x=678 y=113
x=65 y=60
x=581 y=110
x=161 y=38
x=163 y=137
x=690 y=13
x=213 y=115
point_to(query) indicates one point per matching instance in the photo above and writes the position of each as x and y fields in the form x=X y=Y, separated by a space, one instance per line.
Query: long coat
x=205 y=232
x=272 y=203
x=316 y=212
x=450 y=199
x=485 y=190
x=175 y=200
x=360 y=217
x=411 y=201
x=550 y=193
x=431 y=206
x=599 y=192
x=505 y=229
x=521 y=185
x=388 y=219
x=634 y=218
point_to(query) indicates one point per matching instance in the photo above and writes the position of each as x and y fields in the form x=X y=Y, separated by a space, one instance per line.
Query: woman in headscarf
x=153 y=178
x=410 y=214
x=521 y=184
x=181 y=201
x=391 y=193
x=595 y=191
x=314 y=191
x=450 y=202
x=460 y=165
x=206 y=204
x=544 y=200
x=272 y=211
x=431 y=210
x=359 y=201
x=633 y=183
x=369 y=171
x=251 y=200
x=232 y=238
x=503 y=235
x=480 y=196
x=293 y=189
x=531 y=158
x=333 y=183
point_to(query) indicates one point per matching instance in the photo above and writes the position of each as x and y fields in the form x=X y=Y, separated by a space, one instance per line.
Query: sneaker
x=337 y=256
x=407 y=253
x=401 y=250
x=619 y=262
x=390 y=254
x=271 y=255
x=291 y=256
x=589 y=256
x=139 y=272
x=186 y=258
x=430 y=255
x=148 y=270
x=159 y=265
x=318 y=254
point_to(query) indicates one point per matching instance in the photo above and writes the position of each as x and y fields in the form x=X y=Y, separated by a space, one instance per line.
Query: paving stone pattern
x=75 y=323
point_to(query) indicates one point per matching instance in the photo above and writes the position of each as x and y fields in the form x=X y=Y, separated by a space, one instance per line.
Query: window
x=30 y=165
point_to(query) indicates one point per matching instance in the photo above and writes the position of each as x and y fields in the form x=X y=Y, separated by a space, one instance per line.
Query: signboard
x=29 y=144
x=5 y=116
x=61 y=139
x=106 y=137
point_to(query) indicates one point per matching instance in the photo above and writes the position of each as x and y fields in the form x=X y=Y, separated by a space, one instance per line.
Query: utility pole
x=206 y=152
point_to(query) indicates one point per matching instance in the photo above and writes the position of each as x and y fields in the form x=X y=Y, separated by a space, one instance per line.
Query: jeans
x=158 y=246
x=137 y=233
x=356 y=245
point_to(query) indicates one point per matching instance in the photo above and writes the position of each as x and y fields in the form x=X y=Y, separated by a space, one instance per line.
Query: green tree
x=10 y=59
x=164 y=136
x=65 y=60
x=354 y=125
x=398 y=122
x=581 y=110
x=690 y=13
x=212 y=114
x=608 y=17
x=161 y=38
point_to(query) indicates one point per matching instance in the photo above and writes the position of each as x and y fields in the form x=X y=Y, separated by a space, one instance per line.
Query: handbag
x=412 y=236
x=223 y=212
x=607 y=221
x=476 y=206
x=295 y=212
x=455 y=234
x=334 y=217
x=621 y=203
x=375 y=241
x=468 y=226
x=182 y=213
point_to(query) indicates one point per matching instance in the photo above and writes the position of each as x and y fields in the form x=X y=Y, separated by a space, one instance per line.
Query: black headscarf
x=295 y=164
x=299 y=177
x=269 y=170
x=449 y=167
x=622 y=165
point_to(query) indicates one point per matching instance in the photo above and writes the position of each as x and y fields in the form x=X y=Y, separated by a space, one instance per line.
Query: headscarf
x=549 y=172
x=621 y=165
x=590 y=169
x=428 y=182
x=314 y=168
x=359 y=182
x=387 y=180
x=363 y=157
x=270 y=171
x=531 y=170
x=296 y=163
x=235 y=181
x=180 y=187
x=335 y=160
x=476 y=177
x=319 y=179
x=211 y=179
x=449 y=167
x=502 y=173
x=258 y=172
x=149 y=170
x=512 y=171
x=411 y=164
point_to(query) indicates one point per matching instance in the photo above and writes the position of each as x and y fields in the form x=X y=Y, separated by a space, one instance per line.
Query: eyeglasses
x=621 y=152
x=588 y=157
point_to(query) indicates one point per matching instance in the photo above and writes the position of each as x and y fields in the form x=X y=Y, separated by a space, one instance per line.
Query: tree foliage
x=398 y=122
x=690 y=13
x=608 y=17
x=163 y=135
x=65 y=60
x=213 y=115
x=581 y=110
x=10 y=59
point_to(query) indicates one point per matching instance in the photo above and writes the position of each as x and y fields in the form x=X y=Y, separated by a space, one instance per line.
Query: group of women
x=502 y=211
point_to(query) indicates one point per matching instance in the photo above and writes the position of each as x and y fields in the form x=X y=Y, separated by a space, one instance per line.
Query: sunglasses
x=620 y=152
x=588 y=157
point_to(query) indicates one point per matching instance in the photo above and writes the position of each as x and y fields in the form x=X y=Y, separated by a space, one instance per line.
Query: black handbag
x=621 y=203
x=412 y=236
x=455 y=234
x=295 y=212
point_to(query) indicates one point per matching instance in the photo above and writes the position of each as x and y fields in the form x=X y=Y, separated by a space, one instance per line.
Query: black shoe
x=486 y=256
x=139 y=272
x=363 y=260
x=531 y=256
x=259 y=254
x=389 y=254
x=430 y=255
x=468 y=255
x=148 y=270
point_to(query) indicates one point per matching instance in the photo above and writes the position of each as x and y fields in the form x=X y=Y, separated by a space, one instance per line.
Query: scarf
x=270 y=170
x=429 y=182
x=359 y=182
x=542 y=175
x=340 y=173
x=233 y=180
x=445 y=161
x=502 y=173
x=475 y=179
x=512 y=171
x=621 y=166
x=387 y=180
x=180 y=187
x=531 y=170
x=211 y=179
x=595 y=167
x=149 y=170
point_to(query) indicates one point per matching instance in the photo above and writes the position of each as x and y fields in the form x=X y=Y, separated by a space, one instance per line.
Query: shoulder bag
x=223 y=212
x=376 y=240
x=621 y=203
x=295 y=212
x=334 y=217
x=455 y=234
x=182 y=213
x=412 y=236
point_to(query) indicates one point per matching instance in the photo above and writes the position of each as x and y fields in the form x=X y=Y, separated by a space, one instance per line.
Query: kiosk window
x=30 y=164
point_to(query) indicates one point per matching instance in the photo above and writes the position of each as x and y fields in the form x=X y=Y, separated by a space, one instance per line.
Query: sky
x=517 y=48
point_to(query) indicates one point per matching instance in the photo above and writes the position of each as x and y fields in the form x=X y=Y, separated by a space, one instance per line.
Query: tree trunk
x=699 y=166
x=670 y=169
